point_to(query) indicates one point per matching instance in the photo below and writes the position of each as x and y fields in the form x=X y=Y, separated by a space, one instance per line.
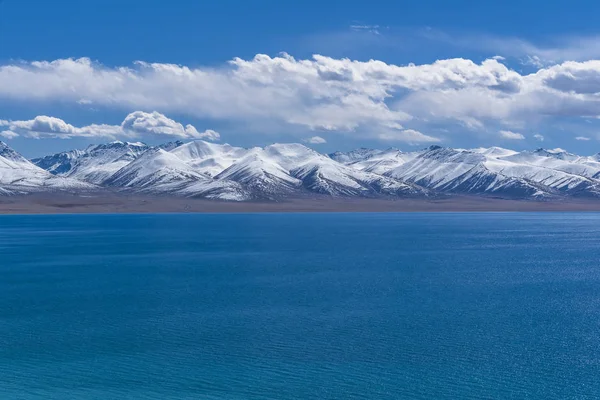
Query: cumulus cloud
x=370 y=99
x=539 y=137
x=44 y=126
x=209 y=134
x=155 y=123
x=511 y=135
x=136 y=124
x=9 y=134
x=584 y=138
x=316 y=140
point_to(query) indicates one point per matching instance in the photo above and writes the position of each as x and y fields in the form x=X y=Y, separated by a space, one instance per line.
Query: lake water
x=300 y=306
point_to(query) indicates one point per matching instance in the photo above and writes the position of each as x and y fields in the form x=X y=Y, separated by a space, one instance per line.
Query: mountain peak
x=494 y=151
x=200 y=168
x=359 y=154
x=4 y=146
x=119 y=143
x=171 y=145
x=557 y=150
x=7 y=152
x=557 y=153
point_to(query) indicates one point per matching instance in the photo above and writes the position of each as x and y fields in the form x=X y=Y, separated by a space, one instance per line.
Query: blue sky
x=256 y=102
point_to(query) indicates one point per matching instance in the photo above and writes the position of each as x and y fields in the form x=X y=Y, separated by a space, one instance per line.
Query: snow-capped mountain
x=94 y=164
x=278 y=171
x=209 y=158
x=354 y=155
x=19 y=175
x=383 y=161
x=459 y=171
x=159 y=171
x=59 y=164
x=151 y=170
x=322 y=174
x=97 y=163
x=261 y=175
x=499 y=172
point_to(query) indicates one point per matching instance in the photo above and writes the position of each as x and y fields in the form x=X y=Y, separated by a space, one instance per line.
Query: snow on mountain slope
x=354 y=155
x=169 y=146
x=494 y=152
x=19 y=175
x=209 y=158
x=209 y=170
x=330 y=179
x=59 y=164
x=556 y=169
x=384 y=161
x=481 y=179
x=462 y=171
x=560 y=161
x=161 y=172
x=437 y=167
x=292 y=155
x=261 y=174
x=153 y=169
x=501 y=172
x=340 y=180
x=380 y=184
x=94 y=164
x=288 y=168
x=217 y=190
x=324 y=175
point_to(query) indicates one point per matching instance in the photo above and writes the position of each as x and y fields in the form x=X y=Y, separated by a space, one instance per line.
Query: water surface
x=300 y=306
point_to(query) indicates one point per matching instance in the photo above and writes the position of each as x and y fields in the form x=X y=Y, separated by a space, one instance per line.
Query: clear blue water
x=300 y=306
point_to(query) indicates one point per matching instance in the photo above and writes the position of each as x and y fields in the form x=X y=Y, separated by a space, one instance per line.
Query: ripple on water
x=283 y=306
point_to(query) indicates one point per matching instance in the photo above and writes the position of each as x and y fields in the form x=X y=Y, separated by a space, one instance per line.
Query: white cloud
x=136 y=124
x=407 y=135
x=584 y=138
x=209 y=134
x=511 y=135
x=539 y=137
x=374 y=29
x=553 y=51
x=316 y=140
x=471 y=123
x=156 y=123
x=570 y=48
x=369 y=99
x=9 y=134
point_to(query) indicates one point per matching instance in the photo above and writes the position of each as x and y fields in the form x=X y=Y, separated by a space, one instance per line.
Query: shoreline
x=137 y=204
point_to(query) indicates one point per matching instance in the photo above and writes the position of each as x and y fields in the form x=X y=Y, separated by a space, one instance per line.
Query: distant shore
x=120 y=203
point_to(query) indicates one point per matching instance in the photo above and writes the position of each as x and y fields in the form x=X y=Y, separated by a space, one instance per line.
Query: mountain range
x=279 y=171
